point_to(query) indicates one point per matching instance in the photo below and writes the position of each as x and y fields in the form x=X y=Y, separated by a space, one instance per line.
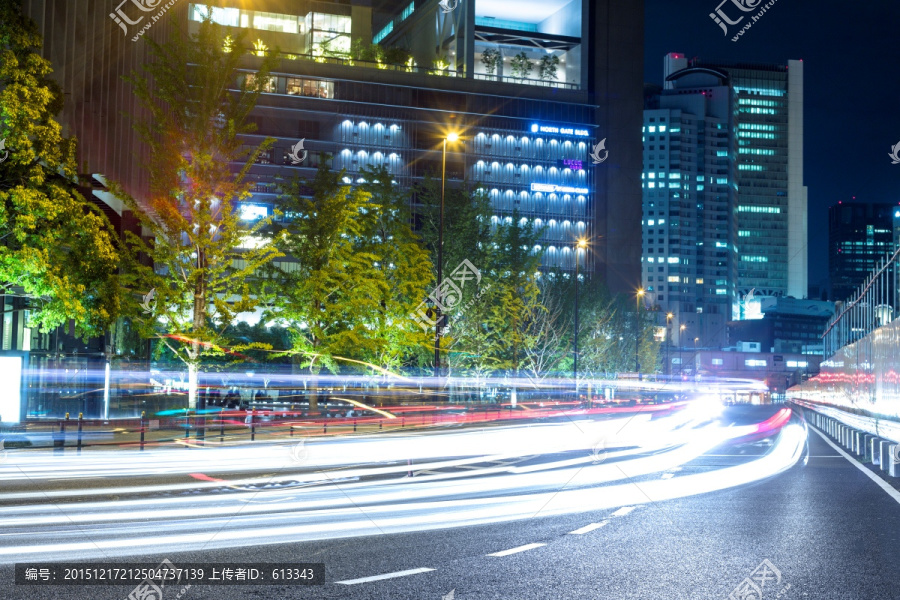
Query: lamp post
x=669 y=317
x=582 y=244
x=637 y=336
x=451 y=137
x=681 y=349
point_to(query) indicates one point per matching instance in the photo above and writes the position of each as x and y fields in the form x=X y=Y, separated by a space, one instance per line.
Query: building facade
x=689 y=226
x=860 y=235
x=547 y=139
x=771 y=200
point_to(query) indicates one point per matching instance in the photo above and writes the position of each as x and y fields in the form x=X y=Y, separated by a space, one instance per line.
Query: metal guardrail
x=874 y=305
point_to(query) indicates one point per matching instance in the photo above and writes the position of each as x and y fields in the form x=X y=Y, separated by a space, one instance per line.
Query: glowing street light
x=451 y=137
x=581 y=245
x=637 y=337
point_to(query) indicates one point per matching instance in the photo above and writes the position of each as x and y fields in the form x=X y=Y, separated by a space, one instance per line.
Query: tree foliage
x=202 y=254
x=56 y=248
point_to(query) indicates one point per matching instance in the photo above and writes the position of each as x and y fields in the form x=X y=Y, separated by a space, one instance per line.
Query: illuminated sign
x=570 y=163
x=251 y=212
x=11 y=399
x=553 y=188
x=538 y=128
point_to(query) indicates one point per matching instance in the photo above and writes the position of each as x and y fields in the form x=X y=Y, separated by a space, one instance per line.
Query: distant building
x=778 y=370
x=860 y=235
x=784 y=325
x=690 y=254
x=770 y=198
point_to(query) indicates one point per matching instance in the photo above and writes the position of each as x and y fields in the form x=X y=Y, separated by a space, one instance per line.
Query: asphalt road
x=827 y=530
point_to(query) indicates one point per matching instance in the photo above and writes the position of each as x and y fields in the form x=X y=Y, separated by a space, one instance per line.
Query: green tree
x=56 y=249
x=607 y=335
x=514 y=297
x=321 y=296
x=402 y=273
x=202 y=255
x=467 y=236
x=547 y=67
x=550 y=326
x=521 y=66
x=491 y=58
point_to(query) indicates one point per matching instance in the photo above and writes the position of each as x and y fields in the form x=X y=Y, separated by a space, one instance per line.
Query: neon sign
x=553 y=188
x=538 y=128
x=570 y=163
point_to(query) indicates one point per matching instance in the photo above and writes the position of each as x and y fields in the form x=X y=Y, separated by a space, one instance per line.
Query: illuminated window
x=754 y=362
x=383 y=33
x=309 y=87
x=222 y=16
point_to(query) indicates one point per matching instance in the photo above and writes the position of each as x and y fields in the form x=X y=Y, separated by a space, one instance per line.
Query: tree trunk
x=314 y=398
x=193 y=372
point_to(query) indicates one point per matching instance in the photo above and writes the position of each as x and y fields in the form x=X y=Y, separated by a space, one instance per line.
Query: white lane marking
x=589 y=528
x=385 y=576
x=881 y=483
x=524 y=548
x=623 y=511
x=667 y=476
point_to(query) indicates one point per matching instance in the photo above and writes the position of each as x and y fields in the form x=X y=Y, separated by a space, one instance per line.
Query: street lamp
x=581 y=245
x=669 y=317
x=637 y=337
x=451 y=137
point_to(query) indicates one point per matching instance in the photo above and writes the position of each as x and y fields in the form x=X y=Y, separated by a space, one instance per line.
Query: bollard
x=866 y=447
x=379 y=424
x=325 y=426
x=402 y=422
x=222 y=425
x=890 y=464
x=253 y=425
x=143 y=420
x=187 y=426
x=60 y=441
x=885 y=454
x=354 y=425
x=875 y=450
x=80 y=423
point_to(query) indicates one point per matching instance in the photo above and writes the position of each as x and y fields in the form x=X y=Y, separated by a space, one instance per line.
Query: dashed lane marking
x=589 y=528
x=524 y=548
x=385 y=576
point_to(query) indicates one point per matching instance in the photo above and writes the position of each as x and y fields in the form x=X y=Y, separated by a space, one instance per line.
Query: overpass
x=856 y=396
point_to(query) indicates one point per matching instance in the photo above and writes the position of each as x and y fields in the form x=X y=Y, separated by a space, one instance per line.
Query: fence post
x=143 y=421
x=80 y=423
x=60 y=441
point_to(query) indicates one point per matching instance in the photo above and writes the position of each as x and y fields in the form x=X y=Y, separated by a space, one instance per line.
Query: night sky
x=851 y=56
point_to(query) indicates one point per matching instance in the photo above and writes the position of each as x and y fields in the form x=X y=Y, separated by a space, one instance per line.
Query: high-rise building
x=535 y=91
x=690 y=230
x=860 y=235
x=771 y=200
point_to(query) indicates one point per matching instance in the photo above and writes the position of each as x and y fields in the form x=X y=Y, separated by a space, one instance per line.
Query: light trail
x=355 y=487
